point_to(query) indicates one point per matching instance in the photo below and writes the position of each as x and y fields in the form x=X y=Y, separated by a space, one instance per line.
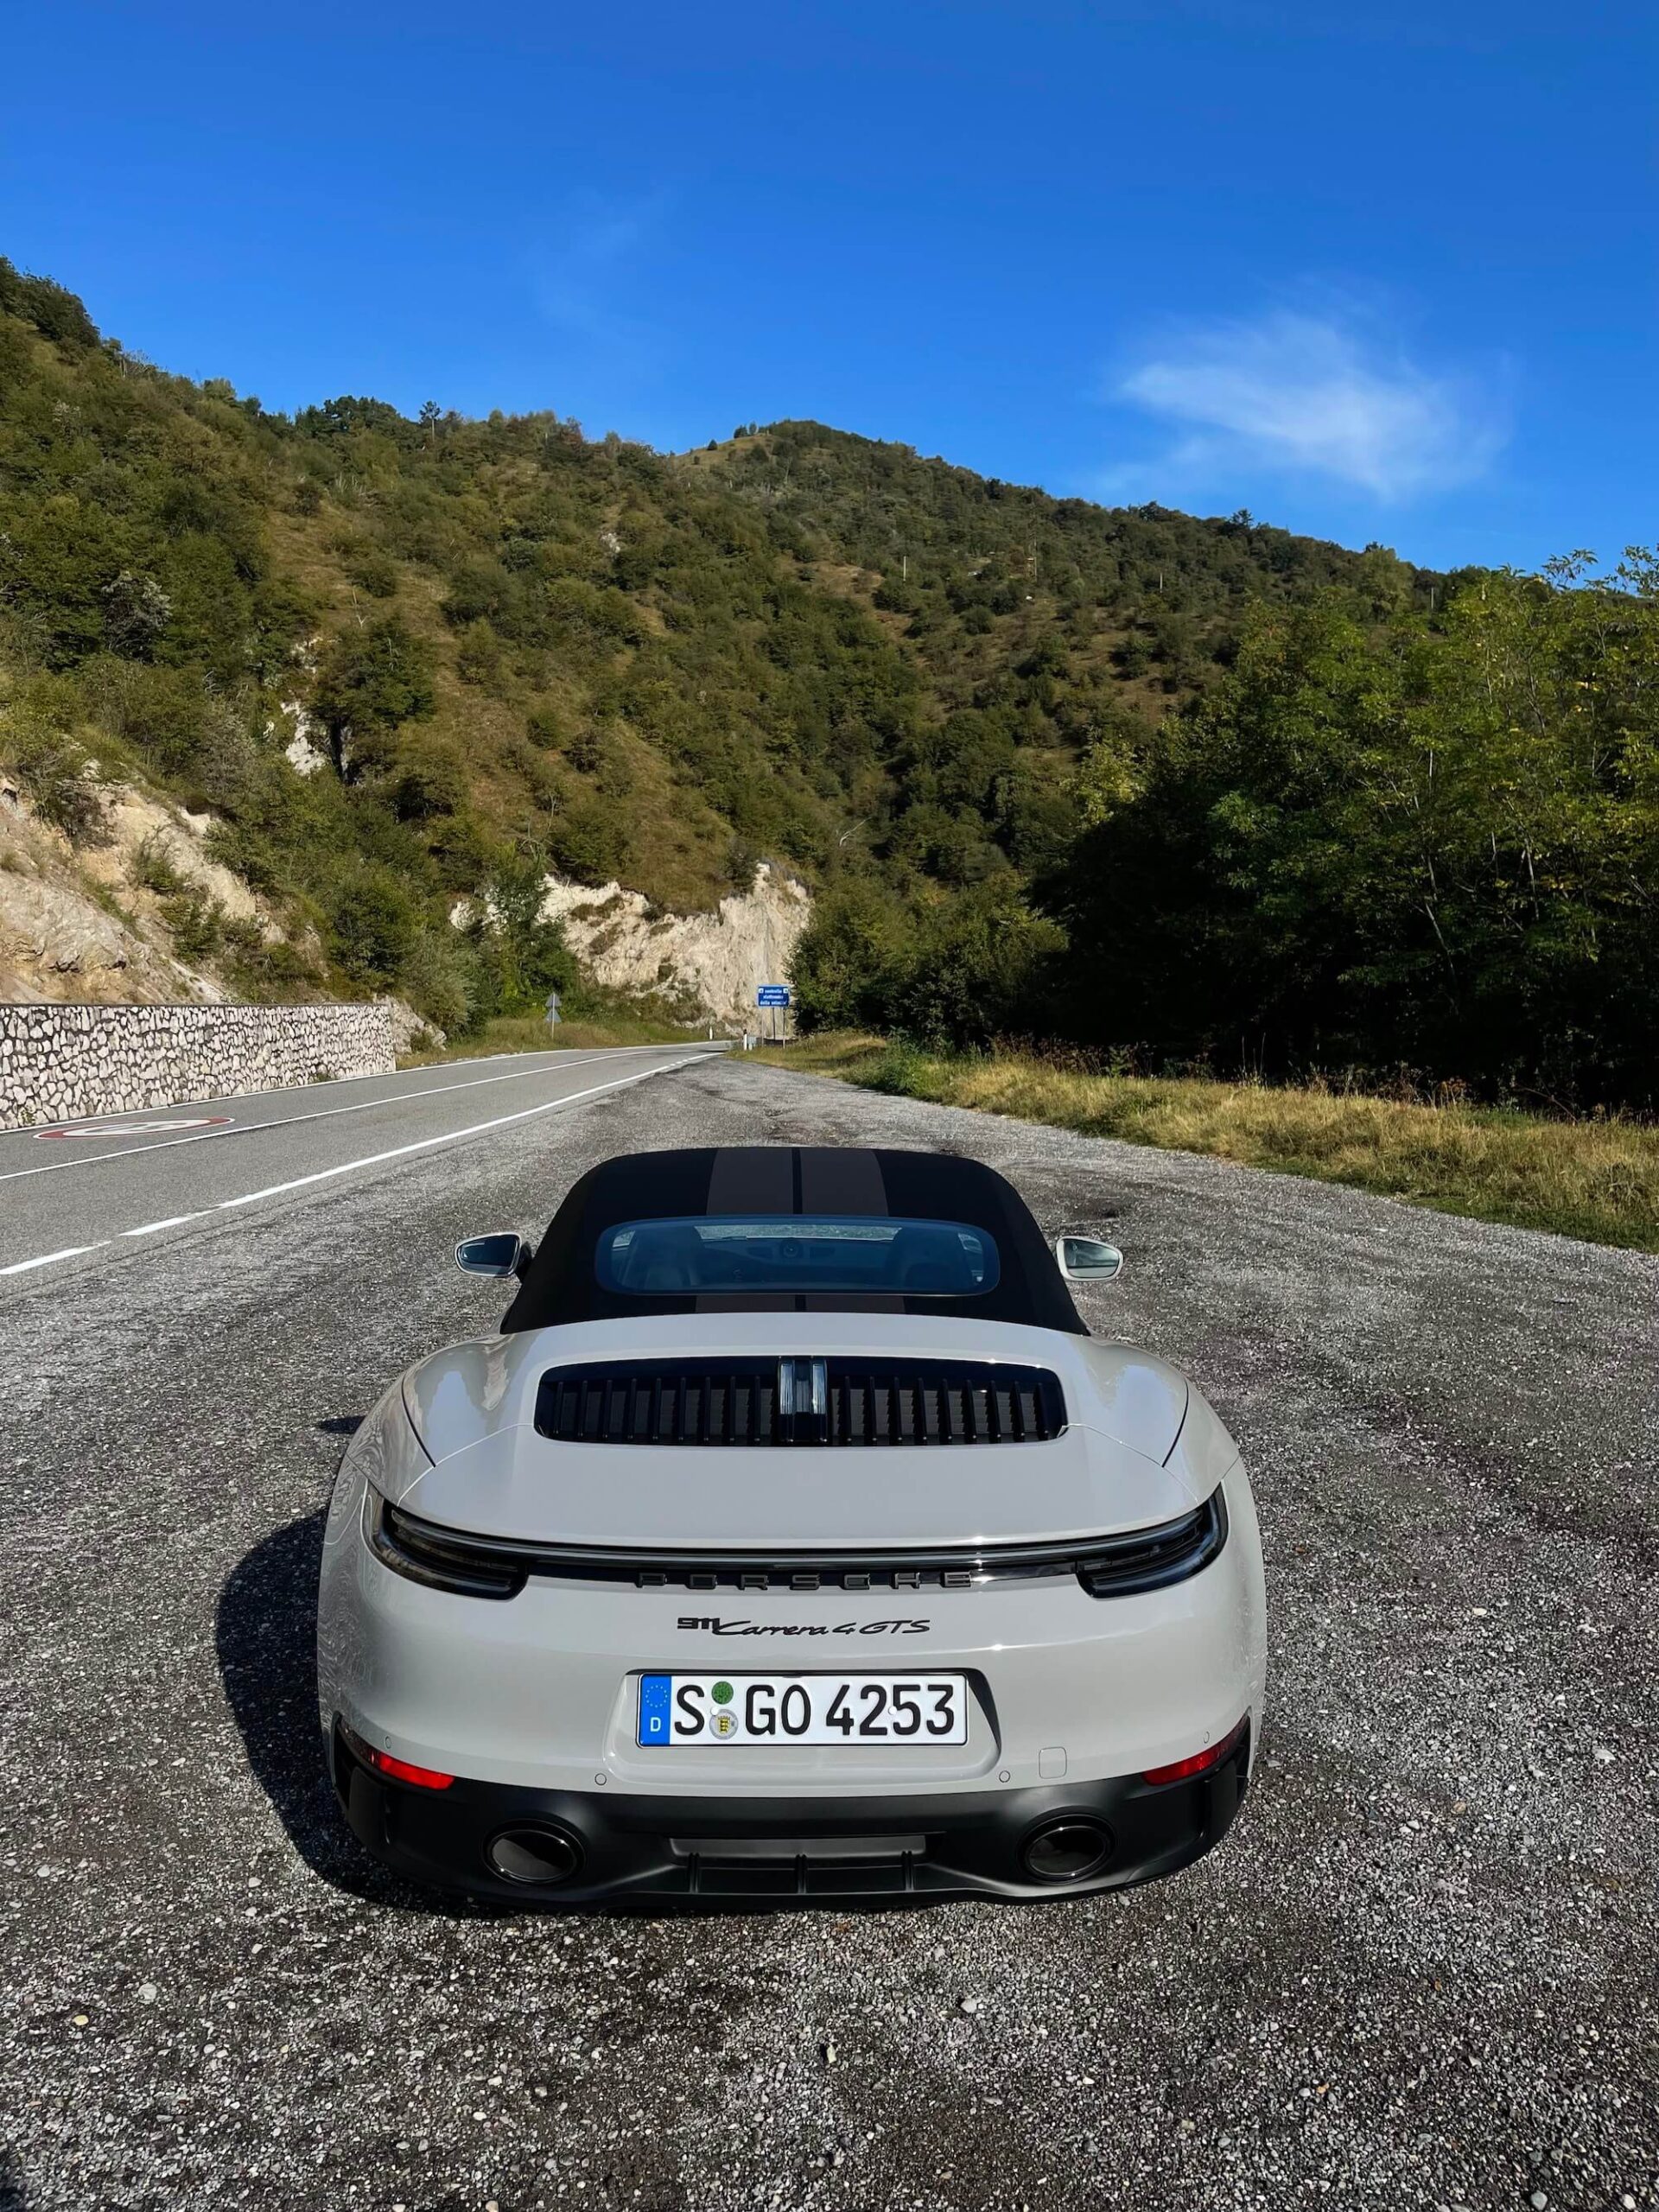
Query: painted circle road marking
x=137 y=1128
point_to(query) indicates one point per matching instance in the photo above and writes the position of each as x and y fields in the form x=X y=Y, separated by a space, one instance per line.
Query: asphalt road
x=74 y=1187
x=1420 y=1971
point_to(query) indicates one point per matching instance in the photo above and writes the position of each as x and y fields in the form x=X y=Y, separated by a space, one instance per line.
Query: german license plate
x=849 y=1709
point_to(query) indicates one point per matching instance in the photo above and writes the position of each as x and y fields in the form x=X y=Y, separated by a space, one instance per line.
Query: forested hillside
x=1196 y=789
x=1270 y=806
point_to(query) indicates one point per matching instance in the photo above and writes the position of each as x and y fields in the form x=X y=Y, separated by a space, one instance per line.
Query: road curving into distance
x=73 y=1187
x=1419 y=1972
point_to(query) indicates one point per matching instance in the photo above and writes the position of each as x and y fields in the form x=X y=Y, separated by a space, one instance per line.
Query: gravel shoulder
x=1420 y=1972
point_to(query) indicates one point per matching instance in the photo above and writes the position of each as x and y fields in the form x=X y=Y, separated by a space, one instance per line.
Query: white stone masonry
x=59 y=1062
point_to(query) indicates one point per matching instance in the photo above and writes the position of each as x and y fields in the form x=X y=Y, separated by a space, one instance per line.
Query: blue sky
x=1372 y=270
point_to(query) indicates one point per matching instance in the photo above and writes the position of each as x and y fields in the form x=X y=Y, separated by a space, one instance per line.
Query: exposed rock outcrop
x=717 y=961
x=139 y=825
x=410 y=1031
x=59 y=941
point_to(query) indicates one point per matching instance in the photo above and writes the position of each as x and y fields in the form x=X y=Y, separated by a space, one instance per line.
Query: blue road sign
x=772 y=995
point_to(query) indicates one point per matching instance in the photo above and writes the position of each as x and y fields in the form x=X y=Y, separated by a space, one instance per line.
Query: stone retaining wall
x=59 y=1062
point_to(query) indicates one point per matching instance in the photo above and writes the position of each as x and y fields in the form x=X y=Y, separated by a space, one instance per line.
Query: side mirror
x=1085 y=1259
x=502 y=1254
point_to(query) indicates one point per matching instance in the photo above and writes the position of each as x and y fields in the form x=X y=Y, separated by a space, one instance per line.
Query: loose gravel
x=1420 y=1972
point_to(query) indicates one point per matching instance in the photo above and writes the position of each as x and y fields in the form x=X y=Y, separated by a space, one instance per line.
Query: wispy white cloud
x=585 y=277
x=1300 y=393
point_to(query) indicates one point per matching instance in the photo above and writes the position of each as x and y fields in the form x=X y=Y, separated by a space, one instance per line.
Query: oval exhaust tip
x=1067 y=1850
x=541 y=1856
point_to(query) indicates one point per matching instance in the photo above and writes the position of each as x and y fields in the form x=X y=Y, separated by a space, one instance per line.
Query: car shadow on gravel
x=265 y=1637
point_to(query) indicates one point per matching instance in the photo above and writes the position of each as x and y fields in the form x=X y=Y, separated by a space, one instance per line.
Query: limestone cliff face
x=59 y=941
x=80 y=929
x=716 y=961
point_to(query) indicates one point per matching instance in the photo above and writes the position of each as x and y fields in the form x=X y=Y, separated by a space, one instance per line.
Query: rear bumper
x=540 y=1692
x=663 y=1853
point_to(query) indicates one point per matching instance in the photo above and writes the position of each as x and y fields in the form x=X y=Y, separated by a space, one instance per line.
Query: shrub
x=370 y=567
x=373 y=922
x=263 y=968
x=587 y=750
x=516 y=955
x=981 y=967
x=57 y=775
x=372 y=681
x=588 y=843
x=962 y=971
x=56 y=312
x=430 y=784
x=164 y=714
x=845 y=964
x=197 y=923
x=238 y=846
x=479 y=657
x=739 y=865
x=153 y=869
x=439 y=976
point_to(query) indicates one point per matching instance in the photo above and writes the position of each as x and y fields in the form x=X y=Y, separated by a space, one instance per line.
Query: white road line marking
x=370 y=1160
x=323 y=1113
x=48 y=1258
x=451 y=1136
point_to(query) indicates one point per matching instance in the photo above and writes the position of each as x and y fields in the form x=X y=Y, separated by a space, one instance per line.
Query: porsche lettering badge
x=758 y=1581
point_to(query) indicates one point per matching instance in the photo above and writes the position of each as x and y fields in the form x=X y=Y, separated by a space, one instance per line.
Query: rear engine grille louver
x=854 y=1402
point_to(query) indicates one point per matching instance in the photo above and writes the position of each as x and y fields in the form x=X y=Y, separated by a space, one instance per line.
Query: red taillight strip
x=423 y=1777
x=1200 y=1762
x=396 y=1769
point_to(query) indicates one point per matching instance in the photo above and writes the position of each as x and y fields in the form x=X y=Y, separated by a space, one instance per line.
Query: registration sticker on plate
x=802 y=1709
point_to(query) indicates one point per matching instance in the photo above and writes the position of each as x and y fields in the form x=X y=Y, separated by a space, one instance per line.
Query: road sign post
x=776 y=996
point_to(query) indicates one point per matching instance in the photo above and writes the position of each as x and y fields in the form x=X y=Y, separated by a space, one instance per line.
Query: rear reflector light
x=1201 y=1762
x=423 y=1777
x=394 y=1769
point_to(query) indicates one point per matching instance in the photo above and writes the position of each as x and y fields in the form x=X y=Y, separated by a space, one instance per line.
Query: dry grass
x=1598 y=1179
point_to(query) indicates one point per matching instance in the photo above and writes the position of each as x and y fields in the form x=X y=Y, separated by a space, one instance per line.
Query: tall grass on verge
x=1594 y=1178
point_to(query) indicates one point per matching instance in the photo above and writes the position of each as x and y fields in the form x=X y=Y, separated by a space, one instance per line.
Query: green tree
x=372 y=680
x=372 y=926
x=849 y=958
x=521 y=956
x=983 y=966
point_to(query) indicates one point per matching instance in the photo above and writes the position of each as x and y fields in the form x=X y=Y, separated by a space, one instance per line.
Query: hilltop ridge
x=1196 y=789
x=505 y=646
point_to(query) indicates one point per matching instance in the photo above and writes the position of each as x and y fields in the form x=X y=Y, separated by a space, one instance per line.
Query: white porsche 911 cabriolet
x=791 y=1541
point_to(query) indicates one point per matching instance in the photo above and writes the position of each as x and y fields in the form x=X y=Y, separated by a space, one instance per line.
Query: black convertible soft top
x=562 y=1286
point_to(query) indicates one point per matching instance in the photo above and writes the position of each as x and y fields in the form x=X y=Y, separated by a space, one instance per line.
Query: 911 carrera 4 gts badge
x=713 y=1624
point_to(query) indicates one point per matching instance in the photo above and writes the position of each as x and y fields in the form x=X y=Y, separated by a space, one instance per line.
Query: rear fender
x=385 y=1455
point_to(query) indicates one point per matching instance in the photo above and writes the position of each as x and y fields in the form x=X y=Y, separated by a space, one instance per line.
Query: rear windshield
x=787 y=1252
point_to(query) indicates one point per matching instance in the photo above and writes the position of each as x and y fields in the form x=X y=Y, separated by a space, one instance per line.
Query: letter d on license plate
x=850 y=1709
